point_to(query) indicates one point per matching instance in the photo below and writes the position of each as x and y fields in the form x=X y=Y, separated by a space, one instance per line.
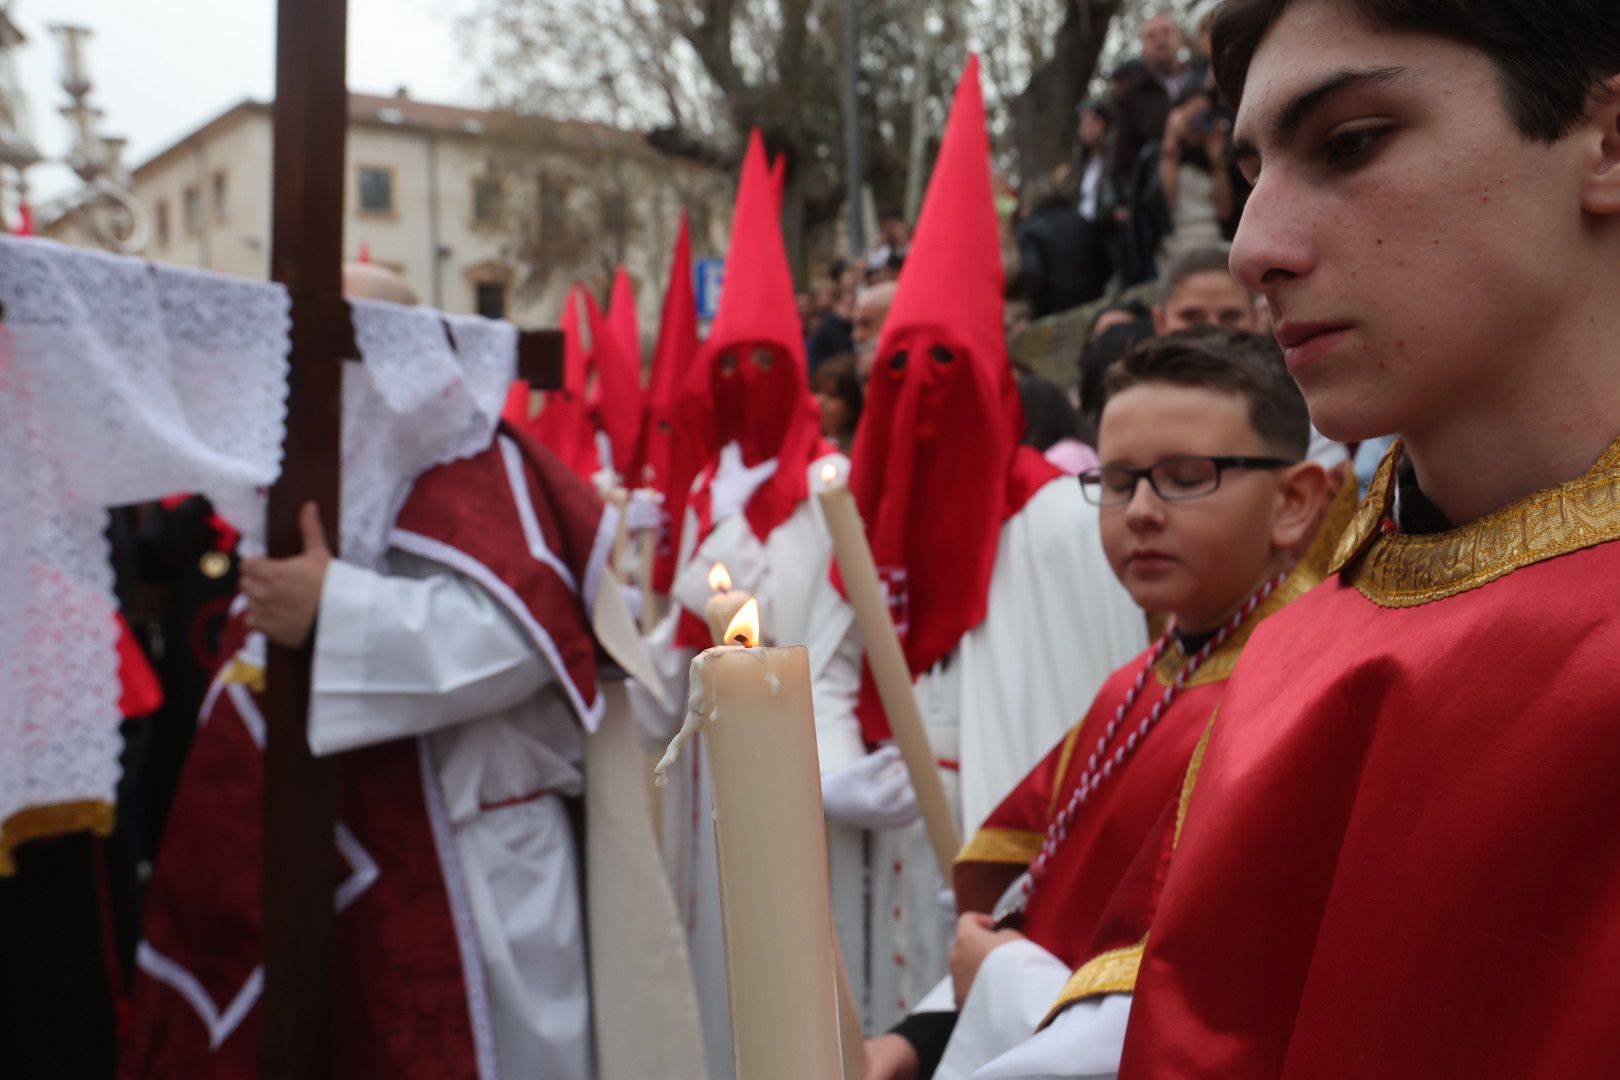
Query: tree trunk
x=1043 y=115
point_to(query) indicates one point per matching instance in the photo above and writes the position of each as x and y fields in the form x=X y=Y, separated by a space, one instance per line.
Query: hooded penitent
x=564 y=424
x=616 y=398
x=667 y=460
x=753 y=360
x=750 y=385
x=937 y=467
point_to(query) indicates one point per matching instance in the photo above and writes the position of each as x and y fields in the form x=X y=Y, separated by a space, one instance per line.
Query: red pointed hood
x=937 y=467
x=563 y=425
x=615 y=358
x=622 y=316
x=669 y=457
x=753 y=361
x=779 y=178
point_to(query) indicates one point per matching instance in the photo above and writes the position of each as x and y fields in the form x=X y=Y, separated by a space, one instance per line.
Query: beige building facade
x=480 y=211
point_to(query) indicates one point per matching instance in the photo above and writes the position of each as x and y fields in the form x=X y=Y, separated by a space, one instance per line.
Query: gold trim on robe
x=1069 y=742
x=1190 y=781
x=1398 y=570
x=1111 y=972
x=245 y=674
x=54 y=819
x=1018 y=846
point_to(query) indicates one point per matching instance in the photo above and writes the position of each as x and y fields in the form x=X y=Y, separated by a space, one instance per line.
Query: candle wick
x=740 y=639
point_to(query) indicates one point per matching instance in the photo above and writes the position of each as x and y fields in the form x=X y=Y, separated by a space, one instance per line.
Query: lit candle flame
x=720 y=578
x=829 y=473
x=744 y=627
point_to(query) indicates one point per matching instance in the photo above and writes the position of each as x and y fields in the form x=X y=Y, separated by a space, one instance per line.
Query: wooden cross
x=300 y=792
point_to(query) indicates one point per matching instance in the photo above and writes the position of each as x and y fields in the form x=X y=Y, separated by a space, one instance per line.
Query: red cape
x=404 y=1006
x=1399 y=859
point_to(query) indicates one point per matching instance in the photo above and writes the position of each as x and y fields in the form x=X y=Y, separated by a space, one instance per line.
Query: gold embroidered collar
x=1398 y=570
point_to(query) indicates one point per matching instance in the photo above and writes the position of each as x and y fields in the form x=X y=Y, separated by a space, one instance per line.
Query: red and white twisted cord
x=1102 y=763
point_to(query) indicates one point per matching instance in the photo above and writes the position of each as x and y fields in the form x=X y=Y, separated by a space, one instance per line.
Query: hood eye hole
x=942 y=354
x=898 y=360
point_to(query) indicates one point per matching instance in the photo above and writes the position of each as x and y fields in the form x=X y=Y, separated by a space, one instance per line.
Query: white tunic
x=423 y=651
x=1084 y=1042
x=1057 y=625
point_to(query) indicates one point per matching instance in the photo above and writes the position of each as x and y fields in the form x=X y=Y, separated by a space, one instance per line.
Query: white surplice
x=1057 y=624
x=1012 y=992
x=1084 y=1042
x=788 y=574
x=422 y=651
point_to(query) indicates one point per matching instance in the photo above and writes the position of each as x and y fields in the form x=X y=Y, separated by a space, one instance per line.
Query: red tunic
x=1400 y=856
x=1068 y=906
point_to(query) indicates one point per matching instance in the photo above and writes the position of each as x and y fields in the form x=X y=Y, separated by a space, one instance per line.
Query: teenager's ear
x=1305 y=497
x=1601 y=191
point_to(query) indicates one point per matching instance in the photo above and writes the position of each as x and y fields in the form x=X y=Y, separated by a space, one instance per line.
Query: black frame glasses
x=1168 y=477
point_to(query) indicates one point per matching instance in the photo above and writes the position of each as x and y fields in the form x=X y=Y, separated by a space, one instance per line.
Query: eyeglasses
x=1174 y=479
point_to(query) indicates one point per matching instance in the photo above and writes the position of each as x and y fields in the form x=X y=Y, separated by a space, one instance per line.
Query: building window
x=376 y=190
x=191 y=210
x=163 y=223
x=553 y=208
x=490 y=299
x=219 y=197
x=486 y=200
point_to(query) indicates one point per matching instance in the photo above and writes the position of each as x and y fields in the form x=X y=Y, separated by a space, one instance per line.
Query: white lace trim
x=418 y=400
x=120 y=382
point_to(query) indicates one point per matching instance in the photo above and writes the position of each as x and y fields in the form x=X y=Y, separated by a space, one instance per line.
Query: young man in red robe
x=1399 y=857
x=1205 y=492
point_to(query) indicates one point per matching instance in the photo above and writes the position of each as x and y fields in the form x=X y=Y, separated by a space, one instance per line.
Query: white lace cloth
x=418 y=400
x=119 y=383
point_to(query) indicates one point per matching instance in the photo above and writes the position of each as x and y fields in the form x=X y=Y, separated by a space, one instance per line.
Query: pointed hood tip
x=757 y=303
x=953 y=276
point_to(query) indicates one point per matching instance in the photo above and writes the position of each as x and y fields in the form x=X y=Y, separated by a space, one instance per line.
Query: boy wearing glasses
x=1204 y=491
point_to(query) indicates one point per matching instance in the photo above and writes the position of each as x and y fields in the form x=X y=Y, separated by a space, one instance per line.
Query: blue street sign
x=707 y=275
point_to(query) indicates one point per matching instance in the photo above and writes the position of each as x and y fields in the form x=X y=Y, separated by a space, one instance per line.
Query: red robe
x=403 y=1005
x=1399 y=858
x=1068 y=906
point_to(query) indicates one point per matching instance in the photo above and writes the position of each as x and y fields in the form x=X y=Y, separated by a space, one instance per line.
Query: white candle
x=889 y=669
x=754 y=709
x=724 y=604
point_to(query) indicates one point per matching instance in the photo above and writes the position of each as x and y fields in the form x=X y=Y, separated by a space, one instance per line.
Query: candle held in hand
x=753 y=707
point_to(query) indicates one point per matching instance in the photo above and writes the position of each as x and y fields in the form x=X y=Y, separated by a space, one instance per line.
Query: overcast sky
x=162 y=68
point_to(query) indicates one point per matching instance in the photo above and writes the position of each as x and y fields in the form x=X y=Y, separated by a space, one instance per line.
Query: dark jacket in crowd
x=1062 y=259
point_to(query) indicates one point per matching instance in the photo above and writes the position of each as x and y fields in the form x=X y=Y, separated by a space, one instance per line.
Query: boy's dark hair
x=1549 y=58
x=1233 y=361
x=1201 y=260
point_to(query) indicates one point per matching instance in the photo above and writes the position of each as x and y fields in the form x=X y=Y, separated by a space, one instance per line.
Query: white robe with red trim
x=506 y=746
x=788 y=573
x=1057 y=624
